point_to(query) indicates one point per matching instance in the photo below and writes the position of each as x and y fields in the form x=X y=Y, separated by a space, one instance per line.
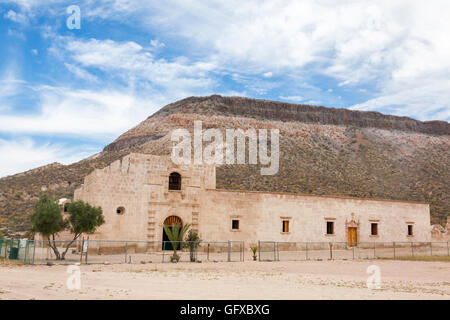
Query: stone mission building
x=140 y=193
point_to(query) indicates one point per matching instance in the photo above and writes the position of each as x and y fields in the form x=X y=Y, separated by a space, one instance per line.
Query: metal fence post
x=34 y=250
x=259 y=250
x=82 y=251
x=274 y=251
x=394 y=248
x=448 y=249
x=87 y=250
x=163 y=251
x=306 y=250
x=353 y=252
x=126 y=251
x=229 y=251
x=431 y=248
x=26 y=251
x=331 y=251
x=277 y=252
x=374 y=250
x=412 y=249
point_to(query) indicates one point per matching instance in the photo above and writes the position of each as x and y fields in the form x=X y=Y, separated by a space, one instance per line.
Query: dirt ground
x=235 y=280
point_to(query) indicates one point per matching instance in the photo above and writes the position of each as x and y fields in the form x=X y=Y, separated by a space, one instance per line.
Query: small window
x=120 y=210
x=285 y=226
x=235 y=224
x=374 y=229
x=175 y=181
x=330 y=227
x=410 y=230
x=66 y=207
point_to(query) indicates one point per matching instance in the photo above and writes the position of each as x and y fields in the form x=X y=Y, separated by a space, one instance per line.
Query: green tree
x=176 y=234
x=48 y=221
x=1 y=235
x=83 y=218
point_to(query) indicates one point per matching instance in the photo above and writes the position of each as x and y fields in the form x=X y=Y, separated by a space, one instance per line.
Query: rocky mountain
x=322 y=151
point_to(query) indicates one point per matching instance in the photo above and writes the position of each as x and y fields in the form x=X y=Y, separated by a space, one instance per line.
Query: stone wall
x=139 y=184
x=261 y=215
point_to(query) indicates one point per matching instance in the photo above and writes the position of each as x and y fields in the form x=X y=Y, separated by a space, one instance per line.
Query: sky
x=74 y=75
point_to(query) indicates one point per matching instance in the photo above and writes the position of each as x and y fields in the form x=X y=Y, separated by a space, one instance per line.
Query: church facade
x=140 y=193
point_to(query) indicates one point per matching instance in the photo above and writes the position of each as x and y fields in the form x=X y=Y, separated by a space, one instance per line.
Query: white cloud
x=24 y=154
x=132 y=62
x=16 y=17
x=80 y=73
x=10 y=85
x=155 y=43
x=423 y=99
x=100 y=115
x=356 y=42
x=29 y=5
x=103 y=112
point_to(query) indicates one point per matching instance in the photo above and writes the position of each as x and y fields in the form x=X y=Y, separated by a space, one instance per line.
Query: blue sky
x=66 y=93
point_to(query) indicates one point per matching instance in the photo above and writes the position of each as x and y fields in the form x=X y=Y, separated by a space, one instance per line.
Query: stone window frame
x=377 y=222
x=408 y=225
x=180 y=183
x=333 y=221
x=289 y=224
x=238 y=218
x=374 y=229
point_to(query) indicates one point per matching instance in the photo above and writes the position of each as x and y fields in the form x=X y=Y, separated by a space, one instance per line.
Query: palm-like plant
x=192 y=242
x=176 y=234
x=254 y=250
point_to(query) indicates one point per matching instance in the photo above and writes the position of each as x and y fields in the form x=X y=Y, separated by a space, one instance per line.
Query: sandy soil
x=240 y=280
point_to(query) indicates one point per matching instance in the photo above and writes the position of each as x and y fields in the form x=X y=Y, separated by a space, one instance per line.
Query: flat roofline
x=319 y=196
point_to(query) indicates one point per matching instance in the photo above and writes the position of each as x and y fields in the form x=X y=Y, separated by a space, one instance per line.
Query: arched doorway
x=170 y=222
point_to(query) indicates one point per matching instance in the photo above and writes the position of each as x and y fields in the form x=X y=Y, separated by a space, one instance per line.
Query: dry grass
x=10 y=263
x=422 y=258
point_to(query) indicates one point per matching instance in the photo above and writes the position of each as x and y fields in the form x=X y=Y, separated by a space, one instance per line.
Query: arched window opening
x=175 y=181
x=173 y=221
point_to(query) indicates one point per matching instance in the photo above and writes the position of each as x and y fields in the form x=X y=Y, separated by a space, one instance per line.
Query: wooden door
x=352 y=237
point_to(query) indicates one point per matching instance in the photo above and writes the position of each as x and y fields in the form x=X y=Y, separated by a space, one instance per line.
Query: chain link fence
x=114 y=251
x=20 y=250
x=301 y=251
